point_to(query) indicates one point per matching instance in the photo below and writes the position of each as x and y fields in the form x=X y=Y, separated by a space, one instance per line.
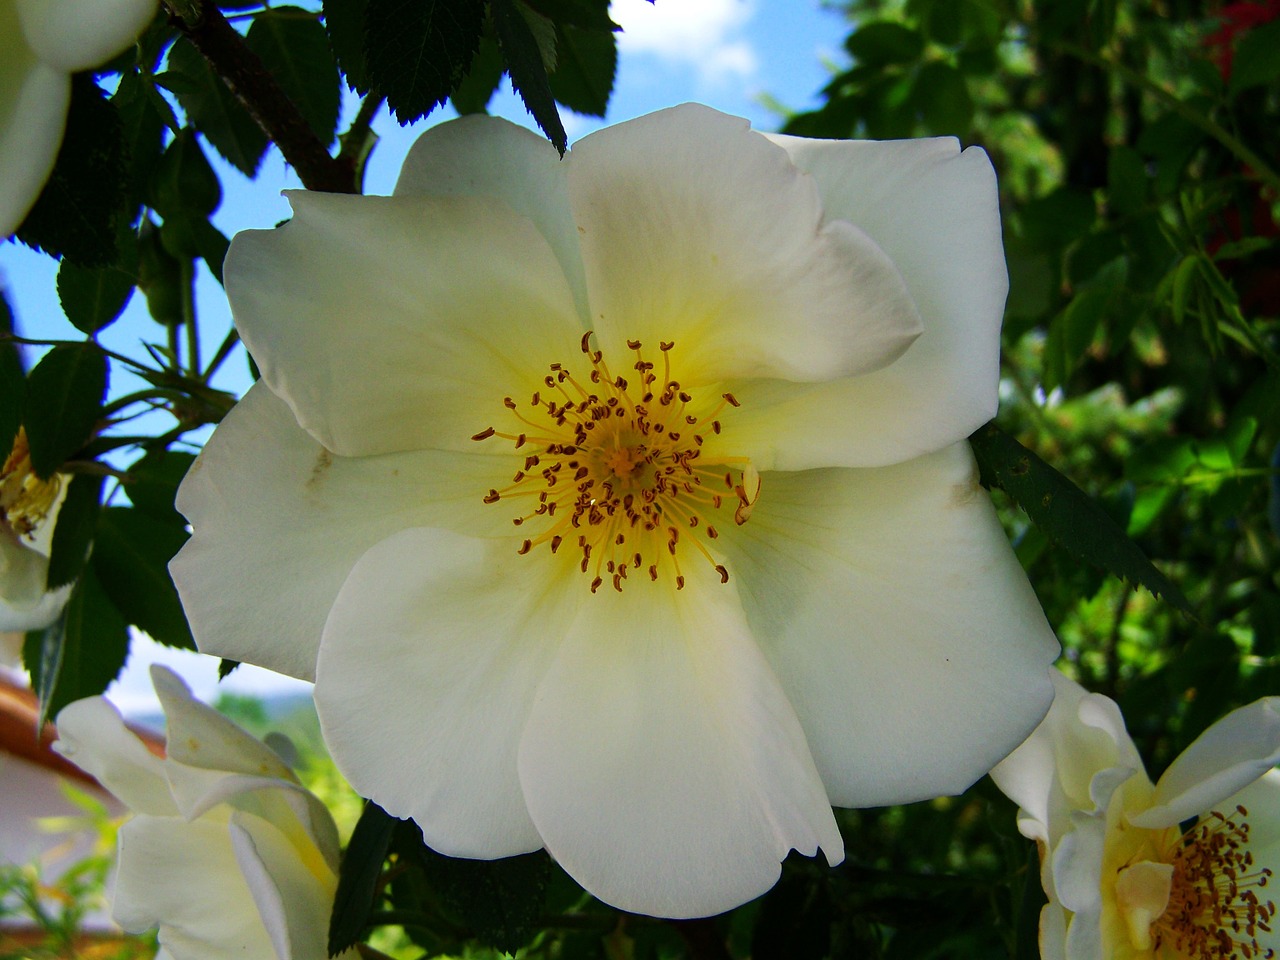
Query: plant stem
x=254 y=86
x=188 y=269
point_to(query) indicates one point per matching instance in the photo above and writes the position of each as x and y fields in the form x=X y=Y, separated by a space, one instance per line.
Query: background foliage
x=1135 y=458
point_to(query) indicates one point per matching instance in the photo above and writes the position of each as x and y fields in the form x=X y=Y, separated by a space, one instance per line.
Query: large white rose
x=43 y=42
x=28 y=513
x=1126 y=876
x=226 y=851
x=621 y=505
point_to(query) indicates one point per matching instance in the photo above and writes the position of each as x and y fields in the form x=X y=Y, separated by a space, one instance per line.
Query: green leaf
x=292 y=44
x=1054 y=221
x=344 y=24
x=64 y=401
x=184 y=182
x=1071 y=519
x=478 y=86
x=226 y=668
x=81 y=653
x=94 y=297
x=215 y=111
x=527 y=69
x=1257 y=59
x=76 y=214
x=941 y=94
x=142 y=131
x=73 y=532
x=1126 y=180
x=358 y=876
x=1074 y=329
x=586 y=64
x=585 y=14
x=131 y=556
x=499 y=901
x=151 y=483
x=882 y=42
x=417 y=51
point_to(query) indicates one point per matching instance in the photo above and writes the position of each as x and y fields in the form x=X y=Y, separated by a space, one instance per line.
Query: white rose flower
x=621 y=505
x=1177 y=870
x=43 y=42
x=226 y=851
x=28 y=511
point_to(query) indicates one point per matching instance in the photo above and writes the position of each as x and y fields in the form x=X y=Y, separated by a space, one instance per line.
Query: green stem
x=224 y=350
x=1230 y=141
x=188 y=269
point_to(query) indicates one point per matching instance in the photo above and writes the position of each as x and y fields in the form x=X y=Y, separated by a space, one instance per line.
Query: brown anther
x=484 y=434
x=492 y=496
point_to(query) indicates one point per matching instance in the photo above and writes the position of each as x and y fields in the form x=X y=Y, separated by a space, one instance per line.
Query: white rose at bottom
x=1182 y=869
x=226 y=852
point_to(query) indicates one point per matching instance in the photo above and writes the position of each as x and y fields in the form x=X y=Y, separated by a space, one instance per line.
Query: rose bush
x=1176 y=870
x=226 y=851
x=621 y=504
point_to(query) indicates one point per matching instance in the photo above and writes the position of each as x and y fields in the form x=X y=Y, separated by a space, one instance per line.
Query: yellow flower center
x=25 y=499
x=1215 y=909
x=618 y=470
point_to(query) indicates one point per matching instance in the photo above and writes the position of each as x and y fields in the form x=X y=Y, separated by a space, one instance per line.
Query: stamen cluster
x=619 y=471
x=25 y=499
x=1215 y=911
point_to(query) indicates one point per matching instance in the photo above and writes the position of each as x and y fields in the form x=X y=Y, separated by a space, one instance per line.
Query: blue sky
x=725 y=53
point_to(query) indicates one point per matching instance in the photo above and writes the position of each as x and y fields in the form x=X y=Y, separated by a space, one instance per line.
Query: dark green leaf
x=585 y=14
x=941 y=94
x=215 y=112
x=1070 y=518
x=881 y=43
x=478 y=86
x=226 y=668
x=81 y=653
x=142 y=130
x=152 y=483
x=1074 y=329
x=73 y=532
x=131 y=556
x=1126 y=180
x=417 y=51
x=358 y=876
x=1257 y=59
x=93 y=297
x=64 y=401
x=1056 y=220
x=76 y=214
x=292 y=44
x=586 y=63
x=344 y=24
x=527 y=69
x=183 y=182
x=499 y=901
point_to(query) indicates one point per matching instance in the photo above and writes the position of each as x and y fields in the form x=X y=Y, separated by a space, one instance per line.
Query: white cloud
x=707 y=36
